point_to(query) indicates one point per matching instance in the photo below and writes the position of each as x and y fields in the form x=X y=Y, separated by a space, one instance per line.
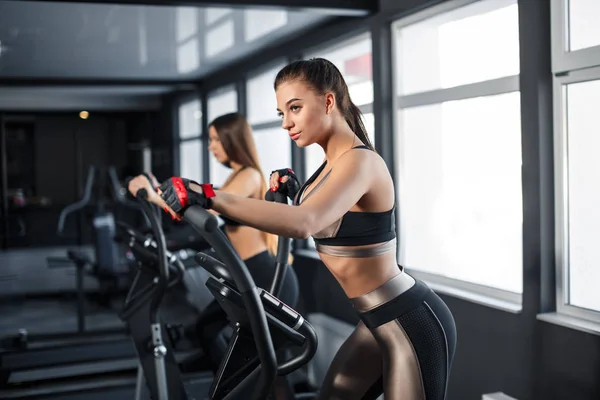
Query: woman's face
x=215 y=146
x=305 y=114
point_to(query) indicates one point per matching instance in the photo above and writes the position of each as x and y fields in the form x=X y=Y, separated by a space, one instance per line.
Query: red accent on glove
x=182 y=194
x=207 y=190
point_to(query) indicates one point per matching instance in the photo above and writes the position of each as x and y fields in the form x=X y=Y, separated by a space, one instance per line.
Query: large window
x=274 y=149
x=577 y=166
x=258 y=23
x=272 y=142
x=220 y=31
x=261 y=102
x=188 y=50
x=220 y=102
x=458 y=146
x=190 y=143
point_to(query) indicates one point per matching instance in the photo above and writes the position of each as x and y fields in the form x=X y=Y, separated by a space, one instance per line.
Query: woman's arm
x=348 y=182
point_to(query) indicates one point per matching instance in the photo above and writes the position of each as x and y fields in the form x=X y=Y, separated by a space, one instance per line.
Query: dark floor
x=41 y=299
x=47 y=316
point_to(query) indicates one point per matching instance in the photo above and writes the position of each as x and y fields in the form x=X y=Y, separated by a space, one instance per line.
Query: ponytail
x=354 y=118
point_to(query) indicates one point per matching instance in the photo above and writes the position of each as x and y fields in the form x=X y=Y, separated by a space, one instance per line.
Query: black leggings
x=213 y=319
x=403 y=347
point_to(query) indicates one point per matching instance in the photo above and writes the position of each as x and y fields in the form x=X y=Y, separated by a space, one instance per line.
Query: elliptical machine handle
x=283 y=249
x=206 y=224
x=84 y=201
x=163 y=266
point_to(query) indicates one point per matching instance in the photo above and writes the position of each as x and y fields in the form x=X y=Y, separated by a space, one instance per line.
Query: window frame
x=199 y=137
x=486 y=295
x=231 y=87
x=563 y=60
x=561 y=198
x=568 y=67
x=272 y=64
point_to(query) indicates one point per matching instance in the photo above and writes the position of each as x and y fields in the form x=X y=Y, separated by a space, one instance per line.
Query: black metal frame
x=3 y=184
x=355 y=8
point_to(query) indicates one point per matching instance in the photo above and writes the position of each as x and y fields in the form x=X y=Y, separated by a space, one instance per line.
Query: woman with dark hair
x=232 y=144
x=404 y=345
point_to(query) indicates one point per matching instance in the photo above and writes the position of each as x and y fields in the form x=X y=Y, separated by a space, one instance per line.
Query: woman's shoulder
x=362 y=154
x=249 y=174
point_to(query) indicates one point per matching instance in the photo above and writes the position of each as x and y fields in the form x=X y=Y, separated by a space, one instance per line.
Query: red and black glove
x=290 y=187
x=177 y=194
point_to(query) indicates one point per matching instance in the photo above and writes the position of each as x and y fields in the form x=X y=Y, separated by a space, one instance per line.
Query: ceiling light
x=84 y=115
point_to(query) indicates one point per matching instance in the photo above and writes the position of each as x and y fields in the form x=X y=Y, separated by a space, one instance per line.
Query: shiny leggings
x=403 y=347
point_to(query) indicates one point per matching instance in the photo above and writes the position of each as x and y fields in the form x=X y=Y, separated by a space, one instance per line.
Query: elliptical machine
x=262 y=324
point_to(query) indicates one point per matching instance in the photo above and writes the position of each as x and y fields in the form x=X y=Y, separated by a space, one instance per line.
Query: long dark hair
x=323 y=76
x=236 y=137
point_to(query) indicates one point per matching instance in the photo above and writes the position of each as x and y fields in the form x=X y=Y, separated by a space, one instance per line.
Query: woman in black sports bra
x=404 y=345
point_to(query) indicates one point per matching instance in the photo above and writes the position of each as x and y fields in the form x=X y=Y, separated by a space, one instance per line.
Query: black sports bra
x=354 y=228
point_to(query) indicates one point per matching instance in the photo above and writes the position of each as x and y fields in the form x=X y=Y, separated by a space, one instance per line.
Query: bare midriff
x=246 y=241
x=358 y=276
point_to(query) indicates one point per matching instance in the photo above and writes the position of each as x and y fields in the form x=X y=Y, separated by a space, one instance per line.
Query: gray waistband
x=357 y=252
x=384 y=293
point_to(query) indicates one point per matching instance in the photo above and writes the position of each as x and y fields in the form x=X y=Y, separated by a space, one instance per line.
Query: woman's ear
x=329 y=102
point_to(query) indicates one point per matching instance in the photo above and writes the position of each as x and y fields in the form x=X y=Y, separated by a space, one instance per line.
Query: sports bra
x=354 y=228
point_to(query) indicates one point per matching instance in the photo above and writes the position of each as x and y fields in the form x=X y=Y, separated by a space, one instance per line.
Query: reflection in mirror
x=219 y=38
x=213 y=14
x=257 y=23
x=106 y=41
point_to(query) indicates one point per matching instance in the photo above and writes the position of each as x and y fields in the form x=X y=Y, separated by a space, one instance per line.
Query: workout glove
x=290 y=187
x=177 y=194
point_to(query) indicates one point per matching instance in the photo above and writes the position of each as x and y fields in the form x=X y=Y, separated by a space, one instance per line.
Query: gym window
x=190 y=142
x=220 y=31
x=576 y=79
x=188 y=54
x=219 y=102
x=273 y=144
x=353 y=58
x=458 y=150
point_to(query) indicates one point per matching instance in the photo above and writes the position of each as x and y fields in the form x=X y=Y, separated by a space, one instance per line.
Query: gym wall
x=48 y=156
